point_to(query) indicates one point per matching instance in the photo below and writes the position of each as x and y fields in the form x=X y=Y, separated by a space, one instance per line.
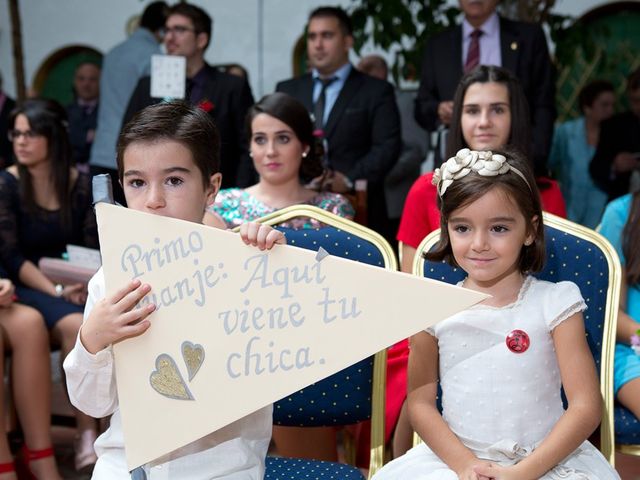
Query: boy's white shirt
x=235 y=452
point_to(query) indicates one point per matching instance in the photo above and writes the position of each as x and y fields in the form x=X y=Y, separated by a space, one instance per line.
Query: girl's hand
x=7 y=291
x=470 y=473
x=115 y=318
x=76 y=294
x=493 y=471
x=262 y=236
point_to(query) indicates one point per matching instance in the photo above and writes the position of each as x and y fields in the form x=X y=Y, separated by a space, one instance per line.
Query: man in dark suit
x=82 y=113
x=617 y=156
x=485 y=38
x=225 y=97
x=7 y=104
x=356 y=114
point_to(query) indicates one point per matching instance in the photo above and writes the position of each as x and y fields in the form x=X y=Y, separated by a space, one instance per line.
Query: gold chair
x=347 y=239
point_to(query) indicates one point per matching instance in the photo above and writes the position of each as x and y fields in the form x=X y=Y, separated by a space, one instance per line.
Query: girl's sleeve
x=560 y=301
x=91 y=381
x=612 y=224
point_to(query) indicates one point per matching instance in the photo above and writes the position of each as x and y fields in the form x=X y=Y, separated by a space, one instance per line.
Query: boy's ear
x=533 y=229
x=214 y=187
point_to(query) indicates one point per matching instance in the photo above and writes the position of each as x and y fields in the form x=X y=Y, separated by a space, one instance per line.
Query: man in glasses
x=225 y=97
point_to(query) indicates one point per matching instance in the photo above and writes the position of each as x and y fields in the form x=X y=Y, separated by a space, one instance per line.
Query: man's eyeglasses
x=27 y=134
x=177 y=29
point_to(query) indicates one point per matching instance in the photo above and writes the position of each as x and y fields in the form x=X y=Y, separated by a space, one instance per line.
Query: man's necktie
x=318 y=109
x=473 y=55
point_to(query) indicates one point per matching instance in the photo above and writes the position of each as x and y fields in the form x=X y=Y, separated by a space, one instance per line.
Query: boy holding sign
x=168 y=165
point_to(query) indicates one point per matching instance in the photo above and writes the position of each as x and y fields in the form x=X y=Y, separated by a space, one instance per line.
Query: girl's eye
x=175 y=181
x=135 y=183
x=460 y=228
x=283 y=139
x=259 y=140
x=500 y=229
x=499 y=109
x=471 y=111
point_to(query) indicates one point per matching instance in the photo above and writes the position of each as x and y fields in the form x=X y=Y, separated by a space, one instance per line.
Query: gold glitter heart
x=193 y=355
x=167 y=381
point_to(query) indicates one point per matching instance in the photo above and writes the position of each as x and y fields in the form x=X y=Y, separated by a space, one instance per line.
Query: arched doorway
x=54 y=77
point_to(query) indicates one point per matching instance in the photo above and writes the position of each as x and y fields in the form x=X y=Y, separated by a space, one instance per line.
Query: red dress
x=420 y=217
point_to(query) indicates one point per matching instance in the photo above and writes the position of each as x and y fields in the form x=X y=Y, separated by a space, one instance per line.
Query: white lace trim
x=578 y=306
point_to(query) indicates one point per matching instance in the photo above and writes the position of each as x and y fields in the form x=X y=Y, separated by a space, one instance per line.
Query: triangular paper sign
x=255 y=325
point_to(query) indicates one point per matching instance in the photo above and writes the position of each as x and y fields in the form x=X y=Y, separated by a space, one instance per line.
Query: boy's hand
x=7 y=290
x=114 y=318
x=262 y=236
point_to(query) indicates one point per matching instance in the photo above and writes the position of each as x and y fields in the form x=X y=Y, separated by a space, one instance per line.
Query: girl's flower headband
x=486 y=164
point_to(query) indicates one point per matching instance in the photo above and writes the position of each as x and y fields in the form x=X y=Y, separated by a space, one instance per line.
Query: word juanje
x=138 y=261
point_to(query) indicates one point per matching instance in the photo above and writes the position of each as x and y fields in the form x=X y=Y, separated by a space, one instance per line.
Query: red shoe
x=7 y=467
x=27 y=456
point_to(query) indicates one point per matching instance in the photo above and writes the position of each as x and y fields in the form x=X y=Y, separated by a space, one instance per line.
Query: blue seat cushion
x=298 y=468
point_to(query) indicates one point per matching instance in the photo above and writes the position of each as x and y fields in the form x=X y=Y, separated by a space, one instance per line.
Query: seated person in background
x=281 y=146
x=574 y=143
x=617 y=155
x=168 y=162
x=83 y=112
x=490 y=112
x=23 y=333
x=7 y=104
x=621 y=226
x=45 y=204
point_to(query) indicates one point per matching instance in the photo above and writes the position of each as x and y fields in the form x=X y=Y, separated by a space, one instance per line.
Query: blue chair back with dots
x=353 y=394
x=582 y=256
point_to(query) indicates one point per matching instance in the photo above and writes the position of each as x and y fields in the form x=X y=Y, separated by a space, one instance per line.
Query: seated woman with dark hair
x=46 y=204
x=281 y=146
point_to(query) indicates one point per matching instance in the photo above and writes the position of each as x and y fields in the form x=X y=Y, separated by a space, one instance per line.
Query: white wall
x=48 y=25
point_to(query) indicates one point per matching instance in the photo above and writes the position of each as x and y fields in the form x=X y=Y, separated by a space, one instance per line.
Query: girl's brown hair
x=526 y=197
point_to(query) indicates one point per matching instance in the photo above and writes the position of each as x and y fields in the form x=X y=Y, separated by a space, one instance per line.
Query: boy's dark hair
x=178 y=122
x=338 y=13
x=294 y=114
x=201 y=20
x=470 y=188
x=49 y=119
x=591 y=91
x=633 y=80
x=154 y=16
x=520 y=135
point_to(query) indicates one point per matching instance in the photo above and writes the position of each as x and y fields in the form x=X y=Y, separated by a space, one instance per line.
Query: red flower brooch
x=206 y=105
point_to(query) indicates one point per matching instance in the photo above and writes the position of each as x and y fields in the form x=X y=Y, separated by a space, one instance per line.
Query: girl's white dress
x=499 y=403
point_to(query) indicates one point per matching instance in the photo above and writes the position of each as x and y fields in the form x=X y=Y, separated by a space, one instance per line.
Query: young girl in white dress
x=501 y=363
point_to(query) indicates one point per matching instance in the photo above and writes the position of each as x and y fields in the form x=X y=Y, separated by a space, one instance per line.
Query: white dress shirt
x=235 y=452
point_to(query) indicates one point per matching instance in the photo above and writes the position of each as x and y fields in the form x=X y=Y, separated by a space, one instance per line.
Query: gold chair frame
x=380 y=359
x=607 y=434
